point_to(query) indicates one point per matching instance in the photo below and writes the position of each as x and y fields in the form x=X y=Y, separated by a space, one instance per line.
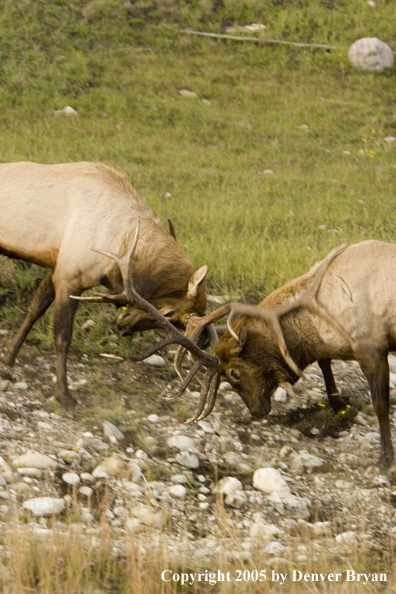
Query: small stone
x=44 y=506
x=236 y=499
x=206 y=427
x=280 y=395
x=34 y=460
x=262 y=531
x=69 y=111
x=148 y=517
x=302 y=127
x=87 y=325
x=31 y=472
x=268 y=172
x=111 y=430
x=71 y=478
x=307 y=462
x=269 y=480
x=188 y=460
x=155 y=361
x=4 y=384
x=68 y=456
x=86 y=477
x=153 y=419
x=225 y=387
x=178 y=491
x=87 y=491
x=227 y=484
x=204 y=505
x=181 y=442
x=188 y=94
x=86 y=517
x=20 y=386
x=179 y=479
x=45 y=426
x=389 y=139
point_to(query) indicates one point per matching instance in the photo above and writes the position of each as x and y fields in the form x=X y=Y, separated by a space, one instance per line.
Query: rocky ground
x=293 y=487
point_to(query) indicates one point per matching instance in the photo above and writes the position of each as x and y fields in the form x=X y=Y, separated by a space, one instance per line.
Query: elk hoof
x=387 y=460
x=8 y=357
x=66 y=400
x=338 y=402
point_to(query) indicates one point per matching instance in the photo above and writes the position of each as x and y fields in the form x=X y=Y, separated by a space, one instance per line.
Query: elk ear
x=196 y=283
x=172 y=229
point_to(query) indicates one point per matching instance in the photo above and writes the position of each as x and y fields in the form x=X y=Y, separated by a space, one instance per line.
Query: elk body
x=358 y=290
x=57 y=215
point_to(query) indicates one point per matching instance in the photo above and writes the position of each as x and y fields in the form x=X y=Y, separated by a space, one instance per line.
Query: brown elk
x=343 y=308
x=57 y=216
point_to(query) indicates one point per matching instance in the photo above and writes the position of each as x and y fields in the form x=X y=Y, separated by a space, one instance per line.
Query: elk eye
x=234 y=374
x=170 y=314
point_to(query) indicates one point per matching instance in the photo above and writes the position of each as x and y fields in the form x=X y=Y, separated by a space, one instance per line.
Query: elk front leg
x=336 y=401
x=41 y=301
x=376 y=369
x=65 y=309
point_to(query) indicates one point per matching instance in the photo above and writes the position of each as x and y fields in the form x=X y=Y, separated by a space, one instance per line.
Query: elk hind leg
x=41 y=301
x=376 y=369
x=336 y=400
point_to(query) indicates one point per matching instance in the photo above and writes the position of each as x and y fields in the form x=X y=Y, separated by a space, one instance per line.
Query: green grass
x=120 y=67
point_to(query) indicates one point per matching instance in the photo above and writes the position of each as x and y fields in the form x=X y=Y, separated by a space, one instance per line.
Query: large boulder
x=370 y=54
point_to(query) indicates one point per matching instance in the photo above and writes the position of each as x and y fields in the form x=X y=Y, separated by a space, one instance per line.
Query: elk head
x=254 y=362
x=168 y=280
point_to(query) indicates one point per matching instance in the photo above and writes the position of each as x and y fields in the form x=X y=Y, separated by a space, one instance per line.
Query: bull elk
x=60 y=217
x=343 y=308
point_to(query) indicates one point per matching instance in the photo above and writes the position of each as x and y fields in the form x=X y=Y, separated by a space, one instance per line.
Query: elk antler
x=308 y=299
x=271 y=315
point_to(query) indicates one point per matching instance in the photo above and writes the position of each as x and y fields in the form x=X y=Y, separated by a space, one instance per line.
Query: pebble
x=20 y=386
x=111 y=430
x=179 y=479
x=227 y=485
x=87 y=477
x=236 y=499
x=31 y=472
x=178 y=491
x=34 y=460
x=155 y=361
x=280 y=395
x=87 y=491
x=188 y=460
x=269 y=480
x=181 y=442
x=153 y=419
x=68 y=456
x=71 y=478
x=44 y=506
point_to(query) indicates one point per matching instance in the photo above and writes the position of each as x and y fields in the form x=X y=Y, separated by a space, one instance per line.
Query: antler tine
x=194 y=329
x=187 y=380
x=205 y=389
x=214 y=383
x=307 y=299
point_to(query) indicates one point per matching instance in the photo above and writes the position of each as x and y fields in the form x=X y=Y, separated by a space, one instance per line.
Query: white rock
x=148 y=517
x=181 y=442
x=34 y=460
x=21 y=386
x=188 y=460
x=392 y=379
x=275 y=548
x=179 y=479
x=280 y=395
x=290 y=505
x=111 y=430
x=31 y=472
x=86 y=517
x=225 y=387
x=87 y=477
x=236 y=499
x=4 y=384
x=178 y=491
x=45 y=426
x=69 y=111
x=205 y=426
x=261 y=531
x=87 y=324
x=349 y=538
x=100 y=472
x=153 y=419
x=204 y=505
x=370 y=54
x=268 y=172
x=227 y=485
x=71 y=478
x=390 y=139
x=155 y=361
x=44 y=506
x=68 y=456
x=187 y=93
x=87 y=491
x=307 y=462
x=269 y=480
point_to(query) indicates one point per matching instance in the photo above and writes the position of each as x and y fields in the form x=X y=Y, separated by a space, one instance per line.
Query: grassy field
x=305 y=115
